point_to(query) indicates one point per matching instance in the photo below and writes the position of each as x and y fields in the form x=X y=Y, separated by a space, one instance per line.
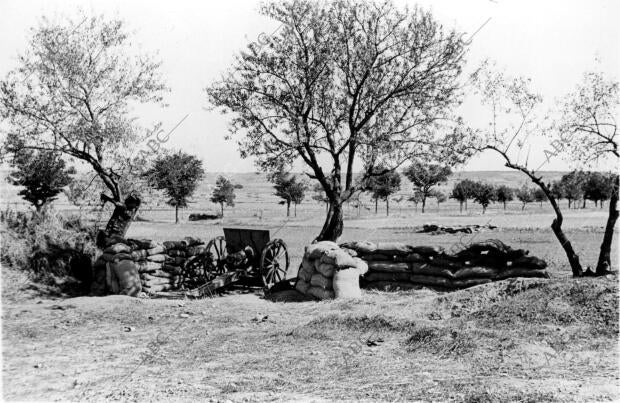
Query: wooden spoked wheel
x=274 y=262
x=216 y=250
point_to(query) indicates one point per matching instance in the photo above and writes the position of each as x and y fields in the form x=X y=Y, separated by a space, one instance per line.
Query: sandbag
x=384 y=276
x=302 y=286
x=174 y=245
x=175 y=261
x=361 y=266
x=158 y=288
x=430 y=270
x=117 y=257
x=521 y=272
x=190 y=241
x=117 y=248
x=139 y=254
x=394 y=248
x=127 y=277
x=150 y=281
x=445 y=261
x=305 y=273
x=530 y=262
x=389 y=267
x=346 y=284
x=476 y=272
x=361 y=247
x=411 y=257
x=431 y=280
x=319 y=280
x=156 y=250
x=378 y=257
x=427 y=250
x=176 y=253
x=156 y=258
x=142 y=243
x=321 y=293
x=338 y=258
x=161 y=273
x=326 y=269
x=146 y=266
x=351 y=252
x=316 y=250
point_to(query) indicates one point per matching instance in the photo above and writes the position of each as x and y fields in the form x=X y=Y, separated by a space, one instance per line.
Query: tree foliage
x=341 y=82
x=483 y=194
x=525 y=195
x=383 y=186
x=178 y=175
x=43 y=175
x=223 y=193
x=504 y=194
x=290 y=189
x=462 y=191
x=426 y=176
x=72 y=93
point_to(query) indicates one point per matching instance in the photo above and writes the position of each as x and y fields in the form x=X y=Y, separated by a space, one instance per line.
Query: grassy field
x=526 y=340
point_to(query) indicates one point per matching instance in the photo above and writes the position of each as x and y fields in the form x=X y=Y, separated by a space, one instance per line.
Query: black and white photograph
x=309 y=200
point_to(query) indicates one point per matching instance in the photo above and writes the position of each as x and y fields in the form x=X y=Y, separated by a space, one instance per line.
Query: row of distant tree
x=44 y=175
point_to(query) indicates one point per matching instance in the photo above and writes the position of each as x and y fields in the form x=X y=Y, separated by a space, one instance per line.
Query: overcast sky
x=553 y=42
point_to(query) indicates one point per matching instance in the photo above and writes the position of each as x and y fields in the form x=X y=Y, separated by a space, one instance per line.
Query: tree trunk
x=604 y=259
x=376 y=204
x=465 y=204
x=461 y=206
x=222 y=209
x=332 y=228
x=523 y=207
x=504 y=205
x=295 y=209
x=423 y=203
x=176 y=214
x=288 y=208
x=387 y=206
x=584 y=203
x=484 y=209
x=118 y=224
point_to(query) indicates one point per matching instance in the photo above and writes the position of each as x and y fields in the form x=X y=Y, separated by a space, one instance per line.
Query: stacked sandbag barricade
x=328 y=271
x=133 y=266
x=393 y=265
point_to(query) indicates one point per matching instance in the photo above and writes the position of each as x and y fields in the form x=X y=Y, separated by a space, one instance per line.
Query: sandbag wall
x=397 y=265
x=159 y=264
x=327 y=272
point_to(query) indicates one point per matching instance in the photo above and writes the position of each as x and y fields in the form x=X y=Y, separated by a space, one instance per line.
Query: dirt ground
x=515 y=340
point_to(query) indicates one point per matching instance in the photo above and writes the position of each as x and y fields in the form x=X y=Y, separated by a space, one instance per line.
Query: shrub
x=47 y=245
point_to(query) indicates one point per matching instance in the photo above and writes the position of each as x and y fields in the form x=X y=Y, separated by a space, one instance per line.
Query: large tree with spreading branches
x=72 y=94
x=344 y=86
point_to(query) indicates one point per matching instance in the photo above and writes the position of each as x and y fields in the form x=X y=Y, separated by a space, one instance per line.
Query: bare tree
x=586 y=130
x=341 y=82
x=512 y=107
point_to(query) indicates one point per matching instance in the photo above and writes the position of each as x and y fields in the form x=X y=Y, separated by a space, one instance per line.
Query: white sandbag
x=139 y=254
x=319 y=280
x=338 y=258
x=157 y=258
x=117 y=248
x=361 y=265
x=394 y=248
x=156 y=250
x=346 y=283
x=305 y=273
x=127 y=277
x=146 y=266
x=326 y=269
x=361 y=247
x=321 y=293
x=302 y=286
x=316 y=250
